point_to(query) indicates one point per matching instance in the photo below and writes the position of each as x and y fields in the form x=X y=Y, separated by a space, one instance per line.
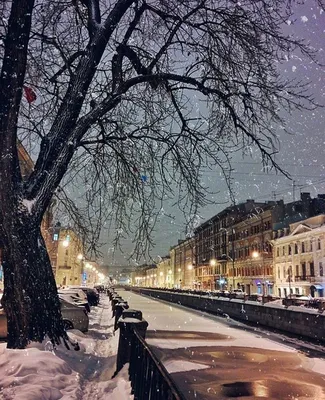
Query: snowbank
x=43 y=373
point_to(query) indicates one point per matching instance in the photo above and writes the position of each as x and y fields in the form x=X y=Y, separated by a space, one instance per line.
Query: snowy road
x=213 y=358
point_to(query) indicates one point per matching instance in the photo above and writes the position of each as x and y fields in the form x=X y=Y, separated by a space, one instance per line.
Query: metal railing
x=305 y=278
x=149 y=378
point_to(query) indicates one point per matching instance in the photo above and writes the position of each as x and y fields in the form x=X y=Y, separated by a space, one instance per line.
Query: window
x=297 y=290
x=67 y=252
x=318 y=244
x=278 y=251
x=297 y=270
x=296 y=248
x=303 y=247
x=289 y=249
x=303 y=268
x=311 y=245
x=321 y=271
x=312 y=269
x=55 y=237
x=283 y=251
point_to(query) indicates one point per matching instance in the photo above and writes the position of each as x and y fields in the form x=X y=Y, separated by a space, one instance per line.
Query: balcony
x=304 y=278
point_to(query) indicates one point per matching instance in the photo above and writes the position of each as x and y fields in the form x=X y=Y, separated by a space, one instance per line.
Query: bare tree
x=134 y=98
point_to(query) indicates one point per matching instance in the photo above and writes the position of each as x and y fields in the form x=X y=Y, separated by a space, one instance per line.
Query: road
x=214 y=358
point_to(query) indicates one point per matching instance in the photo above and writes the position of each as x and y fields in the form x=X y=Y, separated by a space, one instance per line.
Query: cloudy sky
x=301 y=154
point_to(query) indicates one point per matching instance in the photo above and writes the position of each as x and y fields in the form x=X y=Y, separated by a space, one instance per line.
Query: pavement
x=209 y=357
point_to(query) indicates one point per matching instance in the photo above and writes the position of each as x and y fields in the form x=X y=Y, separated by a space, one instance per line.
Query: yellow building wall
x=68 y=268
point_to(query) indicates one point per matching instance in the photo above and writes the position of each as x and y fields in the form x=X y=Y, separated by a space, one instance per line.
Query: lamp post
x=233 y=258
x=255 y=255
x=190 y=268
x=179 y=277
x=213 y=263
x=80 y=257
x=289 y=279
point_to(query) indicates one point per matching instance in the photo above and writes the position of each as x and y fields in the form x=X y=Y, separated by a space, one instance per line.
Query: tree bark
x=30 y=297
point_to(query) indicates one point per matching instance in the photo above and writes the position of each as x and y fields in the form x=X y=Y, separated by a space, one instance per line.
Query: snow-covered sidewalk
x=43 y=373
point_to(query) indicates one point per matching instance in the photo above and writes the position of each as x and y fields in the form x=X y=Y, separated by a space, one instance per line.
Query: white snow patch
x=29 y=204
x=304 y=19
x=173 y=366
x=294 y=68
x=41 y=372
x=33 y=374
x=118 y=388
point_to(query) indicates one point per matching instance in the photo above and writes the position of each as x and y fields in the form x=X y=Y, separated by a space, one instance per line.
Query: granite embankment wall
x=300 y=321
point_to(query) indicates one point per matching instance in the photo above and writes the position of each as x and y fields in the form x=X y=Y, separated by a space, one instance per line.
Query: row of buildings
x=269 y=248
x=65 y=247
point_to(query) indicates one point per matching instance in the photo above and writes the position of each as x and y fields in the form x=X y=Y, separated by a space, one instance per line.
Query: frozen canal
x=213 y=358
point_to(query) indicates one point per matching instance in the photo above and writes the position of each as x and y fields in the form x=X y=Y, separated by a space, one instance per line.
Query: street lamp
x=289 y=279
x=256 y=255
x=65 y=243
x=80 y=257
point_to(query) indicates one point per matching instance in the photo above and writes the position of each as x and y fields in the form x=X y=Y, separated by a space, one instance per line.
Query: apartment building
x=299 y=259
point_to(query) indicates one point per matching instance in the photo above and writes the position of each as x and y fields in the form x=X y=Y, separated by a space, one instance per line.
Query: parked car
x=100 y=288
x=70 y=298
x=74 y=317
x=76 y=294
x=91 y=293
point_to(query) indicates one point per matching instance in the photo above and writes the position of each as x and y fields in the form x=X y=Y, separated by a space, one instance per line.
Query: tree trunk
x=30 y=297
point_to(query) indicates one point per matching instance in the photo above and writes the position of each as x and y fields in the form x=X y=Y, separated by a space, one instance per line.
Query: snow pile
x=118 y=388
x=33 y=374
x=42 y=372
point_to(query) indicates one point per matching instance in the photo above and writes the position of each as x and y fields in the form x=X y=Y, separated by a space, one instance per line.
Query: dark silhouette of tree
x=131 y=99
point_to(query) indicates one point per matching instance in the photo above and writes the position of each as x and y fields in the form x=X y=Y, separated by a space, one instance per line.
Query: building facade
x=299 y=259
x=184 y=264
x=218 y=247
x=165 y=273
x=66 y=255
x=250 y=267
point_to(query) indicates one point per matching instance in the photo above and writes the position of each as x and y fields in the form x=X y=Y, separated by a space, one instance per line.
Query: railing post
x=115 y=300
x=130 y=320
x=119 y=308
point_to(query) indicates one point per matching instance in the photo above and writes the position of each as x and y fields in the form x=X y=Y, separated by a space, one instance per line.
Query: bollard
x=115 y=301
x=119 y=308
x=128 y=321
x=111 y=294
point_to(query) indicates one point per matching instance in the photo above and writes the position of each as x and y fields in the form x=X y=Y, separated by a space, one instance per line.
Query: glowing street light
x=65 y=243
x=255 y=254
x=213 y=262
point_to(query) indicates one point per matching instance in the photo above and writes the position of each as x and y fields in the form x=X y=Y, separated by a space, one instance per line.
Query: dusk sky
x=301 y=154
